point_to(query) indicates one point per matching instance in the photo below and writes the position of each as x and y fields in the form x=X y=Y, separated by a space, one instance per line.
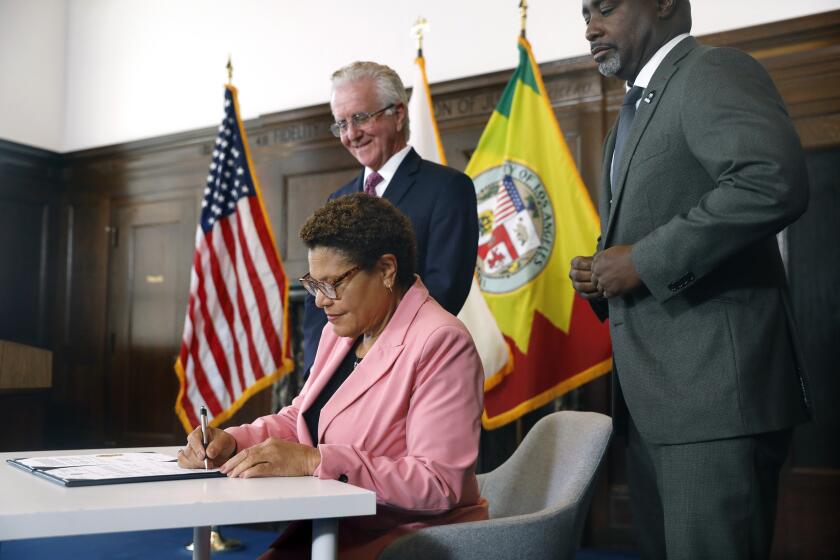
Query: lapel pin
x=649 y=96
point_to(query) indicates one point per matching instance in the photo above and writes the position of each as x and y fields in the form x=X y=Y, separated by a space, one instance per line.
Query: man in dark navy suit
x=369 y=104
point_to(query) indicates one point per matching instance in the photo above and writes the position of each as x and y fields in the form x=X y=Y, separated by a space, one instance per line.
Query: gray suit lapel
x=605 y=199
x=647 y=107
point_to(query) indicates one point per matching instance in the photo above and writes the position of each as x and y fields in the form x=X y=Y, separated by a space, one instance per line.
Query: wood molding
x=807 y=30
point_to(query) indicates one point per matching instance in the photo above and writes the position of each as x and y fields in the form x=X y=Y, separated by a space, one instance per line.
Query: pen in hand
x=203 y=413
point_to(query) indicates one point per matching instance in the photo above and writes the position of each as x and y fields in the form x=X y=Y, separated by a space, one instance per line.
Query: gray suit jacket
x=711 y=171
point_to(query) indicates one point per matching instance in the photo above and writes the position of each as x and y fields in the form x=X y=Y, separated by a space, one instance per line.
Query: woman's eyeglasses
x=329 y=289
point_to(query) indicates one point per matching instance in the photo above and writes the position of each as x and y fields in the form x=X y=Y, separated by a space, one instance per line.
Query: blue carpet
x=163 y=545
x=169 y=545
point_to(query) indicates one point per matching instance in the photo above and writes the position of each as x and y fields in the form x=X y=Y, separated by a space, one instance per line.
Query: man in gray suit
x=701 y=171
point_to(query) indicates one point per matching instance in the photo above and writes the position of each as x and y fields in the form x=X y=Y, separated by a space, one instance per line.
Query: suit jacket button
x=342 y=478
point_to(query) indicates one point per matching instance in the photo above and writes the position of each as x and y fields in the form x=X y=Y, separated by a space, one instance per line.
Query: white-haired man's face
x=380 y=137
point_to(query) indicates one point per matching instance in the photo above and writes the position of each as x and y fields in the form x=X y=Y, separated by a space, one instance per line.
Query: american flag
x=508 y=201
x=236 y=335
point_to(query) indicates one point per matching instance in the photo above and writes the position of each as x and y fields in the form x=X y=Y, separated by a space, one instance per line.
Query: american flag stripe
x=242 y=337
x=504 y=208
x=226 y=327
x=508 y=201
x=202 y=389
x=250 y=312
x=202 y=383
x=258 y=310
x=266 y=242
x=221 y=318
x=216 y=362
x=236 y=338
x=257 y=270
x=220 y=264
x=245 y=294
x=211 y=386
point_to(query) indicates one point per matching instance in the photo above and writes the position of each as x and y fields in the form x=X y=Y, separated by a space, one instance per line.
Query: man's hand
x=273 y=457
x=581 y=275
x=613 y=271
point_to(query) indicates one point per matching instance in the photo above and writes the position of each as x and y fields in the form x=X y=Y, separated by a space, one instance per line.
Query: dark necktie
x=625 y=121
x=370 y=183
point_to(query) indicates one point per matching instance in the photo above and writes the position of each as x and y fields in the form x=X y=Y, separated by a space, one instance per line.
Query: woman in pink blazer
x=395 y=394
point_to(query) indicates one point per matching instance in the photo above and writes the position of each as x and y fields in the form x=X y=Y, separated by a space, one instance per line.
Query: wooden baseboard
x=809 y=514
x=807 y=519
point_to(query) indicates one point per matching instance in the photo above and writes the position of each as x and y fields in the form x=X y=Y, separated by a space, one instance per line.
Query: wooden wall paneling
x=29 y=179
x=24 y=239
x=28 y=242
x=79 y=397
x=809 y=501
x=307 y=193
x=147 y=297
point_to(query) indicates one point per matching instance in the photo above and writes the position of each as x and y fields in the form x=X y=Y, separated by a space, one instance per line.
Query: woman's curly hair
x=364 y=228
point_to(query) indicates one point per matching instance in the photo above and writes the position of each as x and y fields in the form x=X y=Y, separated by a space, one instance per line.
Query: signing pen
x=203 y=413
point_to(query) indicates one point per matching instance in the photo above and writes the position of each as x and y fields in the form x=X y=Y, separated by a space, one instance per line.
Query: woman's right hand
x=221 y=446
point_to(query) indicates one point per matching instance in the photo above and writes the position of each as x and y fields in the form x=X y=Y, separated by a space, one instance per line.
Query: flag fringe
x=546 y=396
x=505 y=370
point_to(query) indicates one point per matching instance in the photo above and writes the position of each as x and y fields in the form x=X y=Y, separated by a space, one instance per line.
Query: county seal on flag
x=516 y=227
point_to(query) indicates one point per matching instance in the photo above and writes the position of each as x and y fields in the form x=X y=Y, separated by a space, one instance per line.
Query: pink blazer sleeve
x=282 y=425
x=436 y=471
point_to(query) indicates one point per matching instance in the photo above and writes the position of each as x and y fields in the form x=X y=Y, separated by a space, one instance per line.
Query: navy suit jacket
x=441 y=204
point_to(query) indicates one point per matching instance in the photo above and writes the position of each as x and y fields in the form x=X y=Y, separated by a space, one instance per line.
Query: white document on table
x=109 y=468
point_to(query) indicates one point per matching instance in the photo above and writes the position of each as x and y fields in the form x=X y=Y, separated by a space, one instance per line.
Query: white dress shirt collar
x=388 y=170
x=647 y=71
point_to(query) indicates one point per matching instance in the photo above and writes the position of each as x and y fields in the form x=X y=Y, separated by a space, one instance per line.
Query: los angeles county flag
x=425 y=139
x=236 y=332
x=535 y=215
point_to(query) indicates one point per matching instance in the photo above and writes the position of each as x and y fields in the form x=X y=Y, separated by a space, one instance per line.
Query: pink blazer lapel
x=379 y=359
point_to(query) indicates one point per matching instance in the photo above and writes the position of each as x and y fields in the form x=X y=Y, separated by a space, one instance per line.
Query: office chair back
x=538 y=498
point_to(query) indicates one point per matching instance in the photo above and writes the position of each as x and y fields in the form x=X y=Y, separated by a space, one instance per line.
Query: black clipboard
x=58 y=476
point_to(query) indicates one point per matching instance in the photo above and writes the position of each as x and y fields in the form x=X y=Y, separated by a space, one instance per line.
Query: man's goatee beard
x=611 y=65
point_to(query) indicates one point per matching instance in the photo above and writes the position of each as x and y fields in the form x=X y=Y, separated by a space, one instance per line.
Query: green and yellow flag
x=535 y=215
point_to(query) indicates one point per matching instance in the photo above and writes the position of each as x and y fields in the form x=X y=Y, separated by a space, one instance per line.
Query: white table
x=31 y=507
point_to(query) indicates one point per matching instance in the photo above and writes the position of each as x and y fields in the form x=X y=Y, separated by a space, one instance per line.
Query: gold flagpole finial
x=230 y=70
x=420 y=26
x=523 y=15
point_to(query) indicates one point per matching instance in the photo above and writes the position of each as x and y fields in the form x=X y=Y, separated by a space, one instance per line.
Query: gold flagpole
x=417 y=30
x=523 y=15
x=218 y=543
